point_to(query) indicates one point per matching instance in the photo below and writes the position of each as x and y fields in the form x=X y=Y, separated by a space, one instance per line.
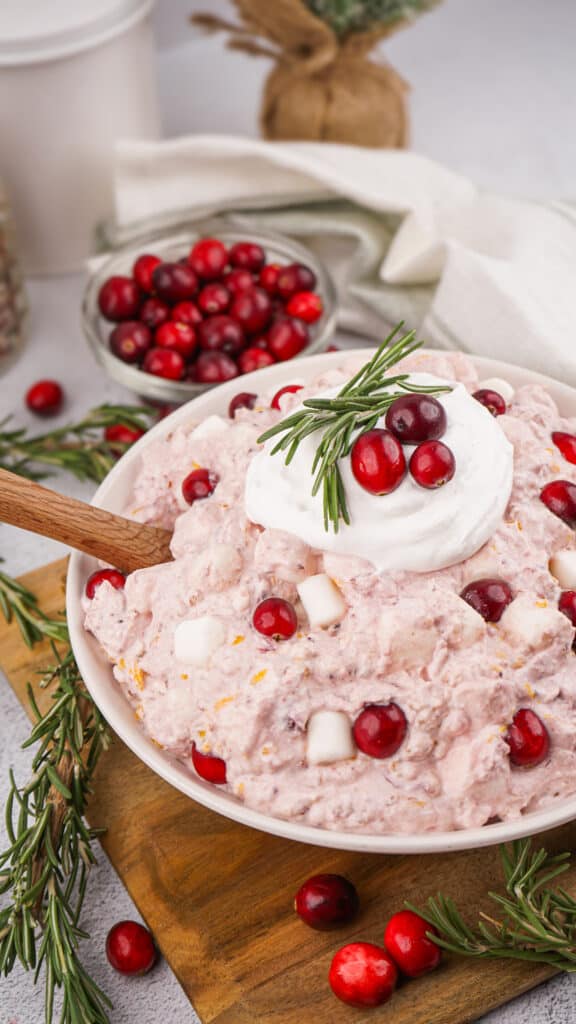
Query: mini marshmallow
x=322 y=600
x=533 y=624
x=209 y=427
x=563 y=566
x=329 y=738
x=195 y=640
x=503 y=387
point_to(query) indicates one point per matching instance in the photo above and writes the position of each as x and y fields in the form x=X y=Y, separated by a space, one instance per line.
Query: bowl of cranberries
x=179 y=314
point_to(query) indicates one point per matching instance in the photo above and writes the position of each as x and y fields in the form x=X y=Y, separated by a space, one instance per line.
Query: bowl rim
x=93 y=666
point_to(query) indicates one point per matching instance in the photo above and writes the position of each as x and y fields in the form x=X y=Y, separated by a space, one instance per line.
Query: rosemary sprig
x=19 y=604
x=355 y=409
x=537 y=923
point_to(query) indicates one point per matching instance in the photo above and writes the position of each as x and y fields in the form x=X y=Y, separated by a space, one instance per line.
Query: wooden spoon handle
x=121 y=542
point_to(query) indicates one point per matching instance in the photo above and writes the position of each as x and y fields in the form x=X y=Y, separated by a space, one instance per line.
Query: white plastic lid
x=38 y=30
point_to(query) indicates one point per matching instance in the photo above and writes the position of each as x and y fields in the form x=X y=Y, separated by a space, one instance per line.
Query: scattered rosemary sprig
x=355 y=409
x=538 y=923
x=18 y=603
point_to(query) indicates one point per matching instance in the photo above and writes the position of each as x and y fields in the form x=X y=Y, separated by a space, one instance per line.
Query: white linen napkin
x=403 y=237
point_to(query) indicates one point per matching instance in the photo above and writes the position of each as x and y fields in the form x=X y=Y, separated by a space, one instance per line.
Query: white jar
x=75 y=76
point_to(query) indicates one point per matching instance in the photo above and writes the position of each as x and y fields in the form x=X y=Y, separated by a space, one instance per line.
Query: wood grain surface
x=218 y=896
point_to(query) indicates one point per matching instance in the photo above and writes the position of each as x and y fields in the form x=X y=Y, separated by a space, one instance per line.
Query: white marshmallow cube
x=209 y=427
x=533 y=624
x=195 y=640
x=563 y=567
x=503 y=387
x=329 y=738
x=322 y=600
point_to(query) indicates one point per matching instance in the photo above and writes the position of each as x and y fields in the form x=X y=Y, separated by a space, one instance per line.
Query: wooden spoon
x=126 y=544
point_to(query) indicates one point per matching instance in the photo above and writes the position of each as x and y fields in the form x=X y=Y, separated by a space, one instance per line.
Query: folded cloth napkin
x=404 y=238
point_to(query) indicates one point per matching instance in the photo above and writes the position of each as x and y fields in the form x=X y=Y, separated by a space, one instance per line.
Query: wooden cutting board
x=218 y=896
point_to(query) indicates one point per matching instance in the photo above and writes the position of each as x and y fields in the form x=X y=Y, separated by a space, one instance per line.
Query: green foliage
x=345 y=16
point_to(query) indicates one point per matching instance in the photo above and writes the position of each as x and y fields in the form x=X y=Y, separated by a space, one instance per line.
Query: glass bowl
x=171 y=247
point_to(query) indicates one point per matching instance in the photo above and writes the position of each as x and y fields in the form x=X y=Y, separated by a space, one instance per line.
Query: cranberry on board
x=214 y=298
x=254 y=359
x=130 y=948
x=305 y=306
x=566 y=444
x=164 y=362
x=362 y=975
x=491 y=400
x=208 y=767
x=488 y=597
x=186 y=312
x=247 y=256
x=130 y=341
x=174 y=281
x=154 y=312
x=199 y=484
x=287 y=337
x=416 y=418
x=276 y=618
x=406 y=940
x=378 y=461
x=121 y=433
x=143 y=269
x=326 y=901
x=559 y=496
x=237 y=280
x=252 y=309
x=432 y=464
x=45 y=397
x=379 y=729
x=528 y=739
x=295 y=278
x=268 y=278
x=115 y=578
x=213 y=368
x=208 y=258
x=289 y=389
x=177 y=337
x=119 y=298
x=243 y=400
x=221 y=333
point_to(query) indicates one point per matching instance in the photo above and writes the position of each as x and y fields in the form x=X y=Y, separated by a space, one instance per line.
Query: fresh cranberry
x=491 y=400
x=488 y=597
x=251 y=309
x=416 y=418
x=406 y=940
x=560 y=497
x=289 y=389
x=115 y=578
x=221 y=334
x=177 y=337
x=362 y=974
x=432 y=464
x=174 y=281
x=208 y=258
x=121 y=433
x=186 y=312
x=164 y=362
x=199 y=484
x=143 y=269
x=130 y=948
x=275 y=617
x=119 y=298
x=379 y=729
x=45 y=397
x=305 y=306
x=377 y=461
x=237 y=280
x=566 y=444
x=208 y=767
x=268 y=279
x=154 y=312
x=293 y=279
x=214 y=298
x=213 y=368
x=286 y=338
x=247 y=256
x=326 y=901
x=567 y=605
x=254 y=359
x=244 y=400
x=528 y=739
x=130 y=341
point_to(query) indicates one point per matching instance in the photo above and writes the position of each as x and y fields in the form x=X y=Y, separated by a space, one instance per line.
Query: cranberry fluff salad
x=409 y=670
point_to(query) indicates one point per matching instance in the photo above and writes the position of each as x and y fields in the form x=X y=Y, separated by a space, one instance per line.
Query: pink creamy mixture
x=458 y=679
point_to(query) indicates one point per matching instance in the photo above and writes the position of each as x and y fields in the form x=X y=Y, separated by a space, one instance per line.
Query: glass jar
x=13 y=305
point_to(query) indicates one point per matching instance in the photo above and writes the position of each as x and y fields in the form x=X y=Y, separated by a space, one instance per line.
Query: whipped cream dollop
x=412 y=529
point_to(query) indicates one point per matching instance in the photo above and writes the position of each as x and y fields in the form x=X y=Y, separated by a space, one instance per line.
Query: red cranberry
x=332 y=348
x=362 y=974
x=208 y=258
x=275 y=617
x=213 y=368
x=406 y=940
x=377 y=461
x=45 y=397
x=130 y=948
x=247 y=256
x=119 y=298
x=208 y=767
x=560 y=497
x=268 y=279
x=214 y=298
x=221 y=333
x=567 y=605
x=528 y=739
x=154 y=312
x=143 y=269
x=488 y=597
x=174 y=281
x=130 y=341
x=306 y=306
x=254 y=359
x=432 y=464
x=244 y=400
x=177 y=337
x=199 y=484
x=491 y=400
x=252 y=309
x=289 y=389
x=164 y=362
x=566 y=444
x=379 y=729
x=186 y=312
x=121 y=433
x=286 y=338
x=237 y=280
x=295 y=278
x=326 y=901
x=115 y=578
x=416 y=418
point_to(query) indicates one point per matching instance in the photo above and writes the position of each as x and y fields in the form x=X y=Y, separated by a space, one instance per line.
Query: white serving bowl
x=113 y=494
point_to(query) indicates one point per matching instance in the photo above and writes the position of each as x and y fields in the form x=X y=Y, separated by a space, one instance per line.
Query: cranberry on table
x=247 y=256
x=491 y=400
x=254 y=359
x=305 y=306
x=287 y=337
x=326 y=901
x=295 y=278
x=121 y=433
x=177 y=337
x=221 y=333
x=432 y=464
x=378 y=461
x=199 y=484
x=566 y=444
x=362 y=975
x=208 y=258
x=119 y=298
x=528 y=739
x=416 y=418
x=237 y=280
x=130 y=341
x=252 y=309
x=268 y=279
x=567 y=605
x=214 y=298
x=243 y=400
x=114 y=577
x=45 y=397
x=488 y=597
x=143 y=269
x=276 y=618
x=164 y=362
x=186 y=312
x=208 y=767
x=130 y=948
x=154 y=312
x=406 y=940
x=379 y=729
x=289 y=389
x=174 y=281
x=213 y=368
x=559 y=496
